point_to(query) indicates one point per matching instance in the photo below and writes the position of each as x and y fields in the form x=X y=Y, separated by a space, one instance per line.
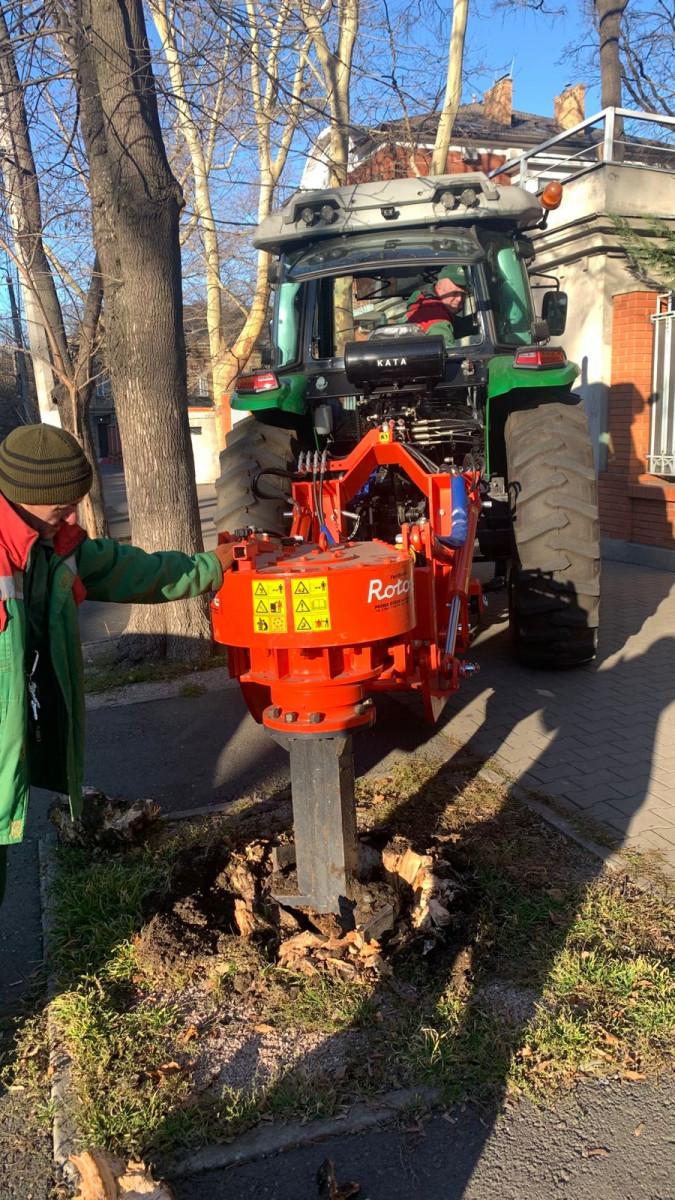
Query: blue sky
x=536 y=43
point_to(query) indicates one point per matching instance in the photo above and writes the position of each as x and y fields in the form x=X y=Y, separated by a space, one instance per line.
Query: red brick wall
x=634 y=506
x=392 y=162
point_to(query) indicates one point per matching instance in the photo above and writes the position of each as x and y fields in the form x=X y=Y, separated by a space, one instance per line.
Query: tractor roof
x=393 y=204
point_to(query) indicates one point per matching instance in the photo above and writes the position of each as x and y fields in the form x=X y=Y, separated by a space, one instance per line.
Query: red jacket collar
x=68 y=539
x=17 y=537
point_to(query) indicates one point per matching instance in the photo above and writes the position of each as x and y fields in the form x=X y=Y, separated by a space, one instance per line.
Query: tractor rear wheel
x=555 y=573
x=251 y=447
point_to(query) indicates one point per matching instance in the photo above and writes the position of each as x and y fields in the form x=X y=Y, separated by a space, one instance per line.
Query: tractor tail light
x=540 y=357
x=552 y=195
x=261 y=381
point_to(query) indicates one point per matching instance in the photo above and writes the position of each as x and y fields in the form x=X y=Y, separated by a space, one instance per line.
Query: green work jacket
x=80 y=568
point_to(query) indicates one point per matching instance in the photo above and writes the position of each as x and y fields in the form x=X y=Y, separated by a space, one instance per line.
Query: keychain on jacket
x=33 y=695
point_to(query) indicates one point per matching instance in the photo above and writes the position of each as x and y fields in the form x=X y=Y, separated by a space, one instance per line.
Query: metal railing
x=599 y=139
x=661 y=457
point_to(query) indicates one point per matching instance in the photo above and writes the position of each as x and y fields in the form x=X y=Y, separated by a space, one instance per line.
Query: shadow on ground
x=200 y=730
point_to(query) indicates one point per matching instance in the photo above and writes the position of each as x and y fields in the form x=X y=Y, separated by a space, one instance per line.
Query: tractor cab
x=392 y=299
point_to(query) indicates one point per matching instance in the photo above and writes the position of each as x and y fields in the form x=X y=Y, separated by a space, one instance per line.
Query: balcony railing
x=661 y=457
x=613 y=135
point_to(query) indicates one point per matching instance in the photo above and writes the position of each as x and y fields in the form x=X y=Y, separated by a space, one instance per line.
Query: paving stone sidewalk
x=601 y=740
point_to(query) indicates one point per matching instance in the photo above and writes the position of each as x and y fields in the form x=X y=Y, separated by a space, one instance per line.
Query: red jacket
x=426 y=311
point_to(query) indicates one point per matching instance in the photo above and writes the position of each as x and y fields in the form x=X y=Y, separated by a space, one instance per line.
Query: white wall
x=582 y=248
x=204 y=443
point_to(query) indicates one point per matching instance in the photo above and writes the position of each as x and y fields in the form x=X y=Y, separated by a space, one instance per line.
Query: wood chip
x=105 y=1177
x=594 y=1152
x=244 y=918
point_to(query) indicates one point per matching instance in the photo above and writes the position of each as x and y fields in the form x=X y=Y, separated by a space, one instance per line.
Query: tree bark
x=609 y=14
x=136 y=204
x=336 y=68
x=57 y=377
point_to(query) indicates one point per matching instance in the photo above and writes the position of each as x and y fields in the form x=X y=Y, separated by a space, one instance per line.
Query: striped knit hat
x=41 y=464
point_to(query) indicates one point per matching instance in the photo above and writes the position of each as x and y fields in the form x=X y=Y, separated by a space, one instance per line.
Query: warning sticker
x=269 y=606
x=311 y=608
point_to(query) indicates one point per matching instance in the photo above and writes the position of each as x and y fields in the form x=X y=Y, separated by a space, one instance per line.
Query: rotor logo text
x=378 y=591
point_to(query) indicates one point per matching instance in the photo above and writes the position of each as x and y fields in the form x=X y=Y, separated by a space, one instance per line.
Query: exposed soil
x=232 y=889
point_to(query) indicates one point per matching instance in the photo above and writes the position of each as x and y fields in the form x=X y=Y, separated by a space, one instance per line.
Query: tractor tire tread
x=250 y=447
x=555 y=577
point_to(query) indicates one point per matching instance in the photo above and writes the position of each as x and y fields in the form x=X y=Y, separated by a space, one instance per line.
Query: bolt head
x=274 y=712
x=290 y=718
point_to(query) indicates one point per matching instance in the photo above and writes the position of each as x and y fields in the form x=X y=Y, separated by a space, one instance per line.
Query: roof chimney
x=569 y=108
x=498 y=102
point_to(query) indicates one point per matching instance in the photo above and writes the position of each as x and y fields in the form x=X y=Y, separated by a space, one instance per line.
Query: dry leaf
x=595 y=1152
x=329 y=1188
x=609 y=1038
x=633 y=1076
x=557 y=918
x=300 y=944
x=637 y=1132
x=263 y=1028
x=160 y=1073
x=189 y=1033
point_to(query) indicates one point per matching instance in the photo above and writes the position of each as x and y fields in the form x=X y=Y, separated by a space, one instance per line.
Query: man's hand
x=225 y=555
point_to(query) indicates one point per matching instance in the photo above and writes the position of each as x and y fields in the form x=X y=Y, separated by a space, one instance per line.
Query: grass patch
x=110 y=676
x=551 y=969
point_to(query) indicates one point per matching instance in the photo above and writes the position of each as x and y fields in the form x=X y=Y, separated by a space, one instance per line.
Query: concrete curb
x=64 y=1137
x=167 y=689
x=261 y=1143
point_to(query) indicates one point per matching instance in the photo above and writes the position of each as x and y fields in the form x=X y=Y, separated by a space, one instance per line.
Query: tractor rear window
x=381 y=304
x=396 y=304
x=349 y=254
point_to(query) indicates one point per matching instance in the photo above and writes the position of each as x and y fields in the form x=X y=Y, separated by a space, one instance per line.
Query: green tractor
x=409 y=301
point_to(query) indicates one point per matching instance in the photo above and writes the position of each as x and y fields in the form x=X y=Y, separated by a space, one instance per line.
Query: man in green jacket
x=48 y=566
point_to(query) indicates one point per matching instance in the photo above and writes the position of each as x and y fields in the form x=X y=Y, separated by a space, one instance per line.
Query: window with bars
x=661 y=457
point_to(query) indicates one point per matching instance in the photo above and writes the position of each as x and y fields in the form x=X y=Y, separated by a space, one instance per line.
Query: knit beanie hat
x=42 y=464
x=454 y=273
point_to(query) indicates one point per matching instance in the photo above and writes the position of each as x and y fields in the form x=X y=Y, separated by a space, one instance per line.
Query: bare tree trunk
x=609 y=14
x=94 y=506
x=25 y=214
x=453 y=88
x=190 y=128
x=57 y=377
x=336 y=68
x=136 y=204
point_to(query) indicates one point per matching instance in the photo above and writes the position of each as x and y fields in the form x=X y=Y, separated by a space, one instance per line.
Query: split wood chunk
x=431 y=893
x=105 y=1177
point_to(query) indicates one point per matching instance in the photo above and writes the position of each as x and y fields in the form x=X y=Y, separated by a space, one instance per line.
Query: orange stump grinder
x=413 y=399
x=318 y=622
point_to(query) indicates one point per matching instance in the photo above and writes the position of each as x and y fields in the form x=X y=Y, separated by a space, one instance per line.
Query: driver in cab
x=437 y=309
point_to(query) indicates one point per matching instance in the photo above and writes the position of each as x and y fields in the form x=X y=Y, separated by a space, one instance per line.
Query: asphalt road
x=607 y=1141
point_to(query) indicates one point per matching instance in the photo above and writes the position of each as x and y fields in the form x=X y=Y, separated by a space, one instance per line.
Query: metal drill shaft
x=324 y=819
